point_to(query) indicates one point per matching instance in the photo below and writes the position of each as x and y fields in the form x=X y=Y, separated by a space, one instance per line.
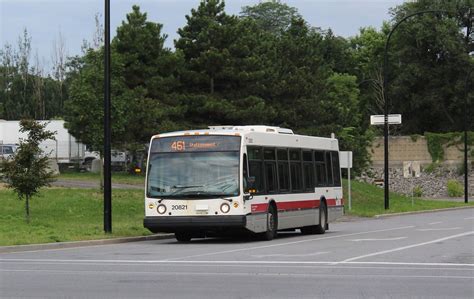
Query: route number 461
x=178 y=146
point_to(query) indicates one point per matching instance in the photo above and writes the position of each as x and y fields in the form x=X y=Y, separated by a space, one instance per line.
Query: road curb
x=63 y=245
x=422 y=212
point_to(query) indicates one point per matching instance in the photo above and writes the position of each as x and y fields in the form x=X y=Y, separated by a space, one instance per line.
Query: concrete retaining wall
x=404 y=148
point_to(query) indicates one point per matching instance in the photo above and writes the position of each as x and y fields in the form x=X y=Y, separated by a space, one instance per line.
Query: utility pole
x=466 y=96
x=107 y=130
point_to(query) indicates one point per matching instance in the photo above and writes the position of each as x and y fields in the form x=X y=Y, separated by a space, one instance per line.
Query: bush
x=432 y=167
x=417 y=191
x=455 y=189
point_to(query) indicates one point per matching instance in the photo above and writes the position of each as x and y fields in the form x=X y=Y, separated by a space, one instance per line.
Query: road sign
x=393 y=119
x=345 y=160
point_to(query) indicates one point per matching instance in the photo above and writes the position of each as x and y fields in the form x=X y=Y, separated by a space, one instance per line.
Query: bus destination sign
x=201 y=143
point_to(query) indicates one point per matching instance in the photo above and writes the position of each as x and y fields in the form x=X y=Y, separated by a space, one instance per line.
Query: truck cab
x=7 y=150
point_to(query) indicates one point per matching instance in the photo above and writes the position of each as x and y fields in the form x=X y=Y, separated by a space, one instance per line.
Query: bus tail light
x=161 y=209
x=225 y=208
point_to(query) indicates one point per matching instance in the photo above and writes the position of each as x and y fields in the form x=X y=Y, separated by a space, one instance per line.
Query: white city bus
x=241 y=178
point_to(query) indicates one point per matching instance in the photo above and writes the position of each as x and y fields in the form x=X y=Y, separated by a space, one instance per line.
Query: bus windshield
x=194 y=167
x=202 y=174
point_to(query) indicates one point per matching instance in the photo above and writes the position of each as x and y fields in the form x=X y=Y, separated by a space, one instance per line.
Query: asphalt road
x=413 y=256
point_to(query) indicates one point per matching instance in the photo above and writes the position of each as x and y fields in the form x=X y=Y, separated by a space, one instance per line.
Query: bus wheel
x=323 y=219
x=323 y=223
x=272 y=224
x=182 y=236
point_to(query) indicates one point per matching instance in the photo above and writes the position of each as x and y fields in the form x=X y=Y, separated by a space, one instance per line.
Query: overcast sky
x=44 y=19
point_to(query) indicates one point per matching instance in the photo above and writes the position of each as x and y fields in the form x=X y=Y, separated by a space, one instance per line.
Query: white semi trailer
x=65 y=150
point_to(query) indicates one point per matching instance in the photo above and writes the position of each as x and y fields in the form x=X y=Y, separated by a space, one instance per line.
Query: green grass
x=69 y=215
x=368 y=201
x=63 y=214
x=117 y=177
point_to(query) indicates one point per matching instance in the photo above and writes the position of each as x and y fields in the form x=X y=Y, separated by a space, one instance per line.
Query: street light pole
x=107 y=130
x=385 y=98
x=466 y=95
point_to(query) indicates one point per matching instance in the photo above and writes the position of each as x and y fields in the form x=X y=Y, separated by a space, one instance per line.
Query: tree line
x=266 y=65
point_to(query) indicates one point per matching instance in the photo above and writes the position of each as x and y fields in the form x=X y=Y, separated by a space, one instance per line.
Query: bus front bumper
x=194 y=223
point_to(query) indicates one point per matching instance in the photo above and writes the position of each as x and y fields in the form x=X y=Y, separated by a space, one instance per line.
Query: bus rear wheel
x=323 y=222
x=183 y=237
x=323 y=218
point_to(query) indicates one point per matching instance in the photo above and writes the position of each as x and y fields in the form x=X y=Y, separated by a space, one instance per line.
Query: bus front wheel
x=183 y=236
x=272 y=224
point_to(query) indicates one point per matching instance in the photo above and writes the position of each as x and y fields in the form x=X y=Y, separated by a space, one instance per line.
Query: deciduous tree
x=27 y=172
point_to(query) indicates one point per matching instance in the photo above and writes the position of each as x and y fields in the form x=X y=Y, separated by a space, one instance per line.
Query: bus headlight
x=161 y=209
x=225 y=208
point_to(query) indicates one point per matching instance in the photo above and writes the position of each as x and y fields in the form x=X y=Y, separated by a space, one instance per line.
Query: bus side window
x=270 y=176
x=320 y=169
x=329 y=169
x=308 y=171
x=295 y=170
x=283 y=170
x=269 y=157
x=255 y=157
x=336 y=169
x=245 y=173
x=255 y=170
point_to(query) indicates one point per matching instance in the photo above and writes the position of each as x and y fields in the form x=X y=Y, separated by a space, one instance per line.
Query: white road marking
x=213 y=262
x=331 y=265
x=101 y=245
x=433 y=223
x=388 y=239
x=437 y=229
x=299 y=275
x=408 y=247
x=289 y=243
x=290 y=255
x=468 y=218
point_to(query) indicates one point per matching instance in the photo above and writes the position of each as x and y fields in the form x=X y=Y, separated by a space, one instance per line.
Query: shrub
x=417 y=191
x=455 y=189
x=460 y=169
x=431 y=167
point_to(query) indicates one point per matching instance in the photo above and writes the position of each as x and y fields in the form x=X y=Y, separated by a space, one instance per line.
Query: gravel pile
x=433 y=184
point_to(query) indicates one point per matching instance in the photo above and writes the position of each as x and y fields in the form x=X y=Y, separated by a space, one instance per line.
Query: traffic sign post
x=393 y=119
x=385 y=120
x=345 y=161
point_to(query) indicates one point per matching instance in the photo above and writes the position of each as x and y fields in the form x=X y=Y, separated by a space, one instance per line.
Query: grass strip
x=61 y=214
x=368 y=201
x=64 y=214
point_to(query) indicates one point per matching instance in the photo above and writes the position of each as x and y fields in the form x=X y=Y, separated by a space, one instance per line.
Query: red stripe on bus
x=260 y=207
x=294 y=205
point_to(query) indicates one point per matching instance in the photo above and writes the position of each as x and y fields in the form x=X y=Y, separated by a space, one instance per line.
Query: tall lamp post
x=466 y=95
x=385 y=71
x=107 y=129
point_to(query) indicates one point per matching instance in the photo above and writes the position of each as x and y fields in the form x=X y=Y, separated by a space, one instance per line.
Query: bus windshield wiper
x=191 y=194
x=185 y=187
